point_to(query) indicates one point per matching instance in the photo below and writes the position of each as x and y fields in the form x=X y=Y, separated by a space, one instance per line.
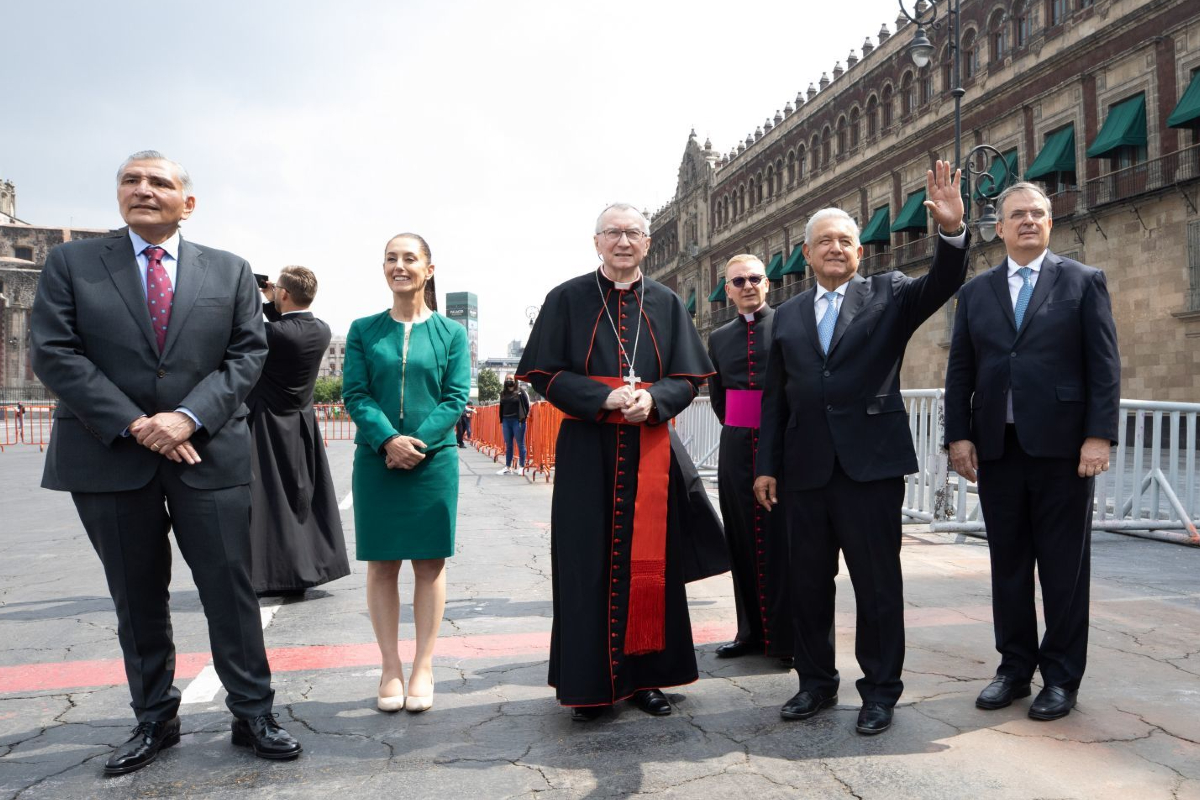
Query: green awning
x=691 y=303
x=793 y=265
x=1001 y=172
x=774 y=267
x=913 y=216
x=1187 y=112
x=796 y=265
x=717 y=291
x=876 y=231
x=1058 y=155
x=1125 y=126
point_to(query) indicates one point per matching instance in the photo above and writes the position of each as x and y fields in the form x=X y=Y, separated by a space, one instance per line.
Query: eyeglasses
x=740 y=280
x=614 y=234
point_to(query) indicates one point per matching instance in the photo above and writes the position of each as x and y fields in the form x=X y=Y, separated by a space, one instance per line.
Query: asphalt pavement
x=495 y=730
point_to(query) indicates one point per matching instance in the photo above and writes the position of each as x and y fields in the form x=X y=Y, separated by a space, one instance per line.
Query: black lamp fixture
x=989 y=186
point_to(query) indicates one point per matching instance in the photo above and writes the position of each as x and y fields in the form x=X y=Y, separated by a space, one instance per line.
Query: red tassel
x=646 y=632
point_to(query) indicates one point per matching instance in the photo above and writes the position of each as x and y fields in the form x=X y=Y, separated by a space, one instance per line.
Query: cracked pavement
x=495 y=730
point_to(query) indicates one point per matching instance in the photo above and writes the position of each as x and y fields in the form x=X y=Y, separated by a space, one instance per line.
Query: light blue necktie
x=1023 y=295
x=826 y=325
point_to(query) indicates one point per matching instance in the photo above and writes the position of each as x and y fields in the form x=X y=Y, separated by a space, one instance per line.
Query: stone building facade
x=1099 y=100
x=23 y=252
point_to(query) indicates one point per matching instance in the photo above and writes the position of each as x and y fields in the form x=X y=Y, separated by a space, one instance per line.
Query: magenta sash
x=743 y=407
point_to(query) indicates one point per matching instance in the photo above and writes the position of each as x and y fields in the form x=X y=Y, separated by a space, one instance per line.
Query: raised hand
x=943 y=196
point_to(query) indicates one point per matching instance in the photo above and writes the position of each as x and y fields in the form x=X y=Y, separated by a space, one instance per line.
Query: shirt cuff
x=191 y=416
x=959 y=241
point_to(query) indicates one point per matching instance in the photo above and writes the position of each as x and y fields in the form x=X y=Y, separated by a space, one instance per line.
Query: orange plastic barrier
x=486 y=435
x=32 y=427
x=541 y=438
x=334 y=422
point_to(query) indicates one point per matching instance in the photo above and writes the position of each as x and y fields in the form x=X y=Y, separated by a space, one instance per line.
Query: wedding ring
x=154 y=447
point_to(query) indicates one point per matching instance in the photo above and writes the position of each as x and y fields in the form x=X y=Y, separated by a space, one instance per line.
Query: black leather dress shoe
x=787 y=662
x=1001 y=692
x=652 y=701
x=263 y=735
x=735 y=648
x=805 y=704
x=873 y=718
x=587 y=713
x=142 y=748
x=1052 y=702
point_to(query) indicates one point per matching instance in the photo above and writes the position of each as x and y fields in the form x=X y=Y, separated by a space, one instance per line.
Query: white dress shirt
x=1015 y=282
x=170 y=259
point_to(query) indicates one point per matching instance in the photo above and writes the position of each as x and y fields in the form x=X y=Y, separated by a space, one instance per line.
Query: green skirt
x=405 y=514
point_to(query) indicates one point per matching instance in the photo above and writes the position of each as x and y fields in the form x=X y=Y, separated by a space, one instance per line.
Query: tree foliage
x=489 y=386
x=327 y=390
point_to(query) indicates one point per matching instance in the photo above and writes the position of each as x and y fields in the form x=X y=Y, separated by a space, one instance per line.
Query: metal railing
x=1148 y=176
x=700 y=431
x=913 y=251
x=1064 y=204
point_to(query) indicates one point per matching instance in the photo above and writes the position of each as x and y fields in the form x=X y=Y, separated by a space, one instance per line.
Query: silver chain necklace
x=632 y=379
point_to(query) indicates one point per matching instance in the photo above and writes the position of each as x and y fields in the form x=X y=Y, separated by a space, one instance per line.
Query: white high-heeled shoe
x=417 y=704
x=389 y=702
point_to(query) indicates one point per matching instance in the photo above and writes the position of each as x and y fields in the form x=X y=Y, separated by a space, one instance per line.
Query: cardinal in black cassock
x=757 y=539
x=630 y=523
x=296 y=538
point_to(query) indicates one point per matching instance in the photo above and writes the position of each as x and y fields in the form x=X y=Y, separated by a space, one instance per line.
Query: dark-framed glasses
x=614 y=234
x=741 y=280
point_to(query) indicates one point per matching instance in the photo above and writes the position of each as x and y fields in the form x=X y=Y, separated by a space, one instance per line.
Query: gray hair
x=829 y=213
x=623 y=207
x=154 y=155
x=1023 y=186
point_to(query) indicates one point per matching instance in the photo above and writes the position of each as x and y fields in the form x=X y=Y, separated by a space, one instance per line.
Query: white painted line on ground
x=204 y=687
x=347 y=501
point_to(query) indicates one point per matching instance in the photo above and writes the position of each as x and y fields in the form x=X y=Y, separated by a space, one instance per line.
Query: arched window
x=872 y=116
x=770 y=181
x=1056 y=12
x=925 y=76
x=754 y=186
x=970 y=65
x=741 y=204
x=758 y=193
x=908 y=95
x=826 y=142
x=791 y=167
x=815 y=149
x=842 y=142
x=998 y=34
x=947 y=70
x=778 y=175
x=854 y=128
x=800 y=162
x=885 y=107
x=1021 y=24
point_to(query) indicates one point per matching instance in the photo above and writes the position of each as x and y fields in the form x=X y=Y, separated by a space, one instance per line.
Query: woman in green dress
x=406 y=378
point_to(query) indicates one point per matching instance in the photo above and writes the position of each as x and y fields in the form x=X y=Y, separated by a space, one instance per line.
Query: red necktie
x=159 y=294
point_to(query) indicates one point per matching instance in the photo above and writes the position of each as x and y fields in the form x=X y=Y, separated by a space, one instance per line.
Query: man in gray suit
x=151 y=343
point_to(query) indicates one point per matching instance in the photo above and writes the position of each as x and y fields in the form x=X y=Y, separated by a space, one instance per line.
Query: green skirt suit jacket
x=404 y=514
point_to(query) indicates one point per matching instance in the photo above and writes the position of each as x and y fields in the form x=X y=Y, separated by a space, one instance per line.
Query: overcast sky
x=315 y=131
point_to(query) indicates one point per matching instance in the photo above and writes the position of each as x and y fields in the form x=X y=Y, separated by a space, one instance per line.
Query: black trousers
x=129 y=532
x=862 y=520
x=1038 y=511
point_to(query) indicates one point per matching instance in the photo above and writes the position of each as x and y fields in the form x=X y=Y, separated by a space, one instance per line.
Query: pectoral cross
x=632 y=379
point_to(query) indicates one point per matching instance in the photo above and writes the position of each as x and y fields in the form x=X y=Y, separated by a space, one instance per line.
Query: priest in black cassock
x=757 y=539
x=296 y=538
x=630 y=525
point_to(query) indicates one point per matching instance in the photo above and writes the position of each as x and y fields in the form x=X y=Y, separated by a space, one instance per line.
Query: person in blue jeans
x=514 y=408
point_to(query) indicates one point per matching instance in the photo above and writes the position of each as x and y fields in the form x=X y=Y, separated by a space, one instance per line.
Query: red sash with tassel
x=646 y=617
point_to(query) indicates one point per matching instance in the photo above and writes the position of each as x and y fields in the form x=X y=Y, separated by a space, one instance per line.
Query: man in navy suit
x=151 y=344
x=835 y=443
x=1032 y=398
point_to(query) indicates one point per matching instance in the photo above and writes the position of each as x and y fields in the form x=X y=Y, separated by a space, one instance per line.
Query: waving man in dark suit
x=1032 y=396
x=836 y=445
x=151 y=343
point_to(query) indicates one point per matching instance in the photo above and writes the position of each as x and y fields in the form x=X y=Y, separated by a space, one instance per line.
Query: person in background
x=405 y=383
x=514 y=408
x=462 y=430
x=296 y=538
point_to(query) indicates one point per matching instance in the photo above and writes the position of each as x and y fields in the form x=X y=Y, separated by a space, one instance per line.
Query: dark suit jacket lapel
x=189 y=277
x=856 y=291
x=1051 y=268
x=805 y=303
x=999 y=281
x=123 y=268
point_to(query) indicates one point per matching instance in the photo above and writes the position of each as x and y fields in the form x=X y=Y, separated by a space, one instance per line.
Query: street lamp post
x=921 y=50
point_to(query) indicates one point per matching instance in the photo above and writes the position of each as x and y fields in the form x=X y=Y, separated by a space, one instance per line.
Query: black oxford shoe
x=1001 y=692
x=1052 y=702
x=263 y=735
x=735 y=649
x=873 y=718
x=142 y=748
x=652 y=701
x=587 y=713
x=806 y=703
